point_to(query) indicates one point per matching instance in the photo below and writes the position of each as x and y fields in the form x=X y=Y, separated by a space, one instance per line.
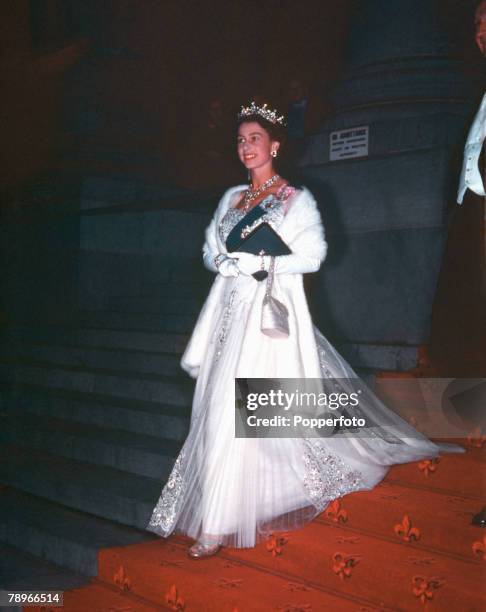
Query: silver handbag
x=275 y=316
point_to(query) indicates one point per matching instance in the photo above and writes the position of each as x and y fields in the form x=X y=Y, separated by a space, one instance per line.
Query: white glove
x=295 y=264
x=228 y=267
x=247 y=263
x=284 y=264
x=208 y=260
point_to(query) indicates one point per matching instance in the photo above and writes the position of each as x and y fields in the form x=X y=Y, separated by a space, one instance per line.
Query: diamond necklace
x=251 y=194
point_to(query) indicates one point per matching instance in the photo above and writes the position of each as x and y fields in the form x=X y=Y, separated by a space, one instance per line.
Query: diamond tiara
x=263 y=111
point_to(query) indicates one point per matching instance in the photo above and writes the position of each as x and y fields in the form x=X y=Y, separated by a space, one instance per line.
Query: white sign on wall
x=345 y=144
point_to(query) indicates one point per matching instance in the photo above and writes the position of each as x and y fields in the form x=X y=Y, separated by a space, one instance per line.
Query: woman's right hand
x=248 y=263
x=228 y=267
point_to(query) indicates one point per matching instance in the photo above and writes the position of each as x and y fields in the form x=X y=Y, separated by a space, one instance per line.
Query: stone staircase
x=91 y=418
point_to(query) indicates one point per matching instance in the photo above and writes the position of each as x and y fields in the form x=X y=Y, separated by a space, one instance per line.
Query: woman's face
x=255 y=146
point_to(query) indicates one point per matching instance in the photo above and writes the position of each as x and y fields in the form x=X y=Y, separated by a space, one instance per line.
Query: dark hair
x=276 y=132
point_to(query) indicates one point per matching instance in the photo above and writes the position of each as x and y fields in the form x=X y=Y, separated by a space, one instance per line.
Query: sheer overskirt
x=236 y=491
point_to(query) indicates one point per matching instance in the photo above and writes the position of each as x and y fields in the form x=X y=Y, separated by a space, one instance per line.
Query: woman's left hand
x=247 y=263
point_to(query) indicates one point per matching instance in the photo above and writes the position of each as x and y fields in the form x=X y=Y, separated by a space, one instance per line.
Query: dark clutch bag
x=262 y=238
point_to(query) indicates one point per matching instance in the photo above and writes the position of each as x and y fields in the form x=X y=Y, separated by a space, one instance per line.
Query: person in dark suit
x=458 y=333
x=472 y=179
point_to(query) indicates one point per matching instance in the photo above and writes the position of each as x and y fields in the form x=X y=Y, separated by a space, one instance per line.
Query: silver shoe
x=200 y=550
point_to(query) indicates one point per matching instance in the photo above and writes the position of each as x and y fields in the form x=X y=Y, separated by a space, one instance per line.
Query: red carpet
x=406 y=545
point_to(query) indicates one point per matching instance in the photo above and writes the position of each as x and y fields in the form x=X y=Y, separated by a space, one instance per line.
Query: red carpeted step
x=161 y=571
x=98 y=597
x=369 y=562
x=373 y=567
x=434 y=521
x=456 y=474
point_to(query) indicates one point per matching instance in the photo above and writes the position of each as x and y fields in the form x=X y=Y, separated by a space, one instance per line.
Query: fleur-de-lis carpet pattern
x=408 y=545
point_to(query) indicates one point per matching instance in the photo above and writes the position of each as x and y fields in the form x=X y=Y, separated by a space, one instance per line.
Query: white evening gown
x=239 y=490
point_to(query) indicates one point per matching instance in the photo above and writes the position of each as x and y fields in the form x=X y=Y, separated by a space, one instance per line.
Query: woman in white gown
x=233 y=491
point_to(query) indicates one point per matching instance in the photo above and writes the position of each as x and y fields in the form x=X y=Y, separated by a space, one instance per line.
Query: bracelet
x=218 y=260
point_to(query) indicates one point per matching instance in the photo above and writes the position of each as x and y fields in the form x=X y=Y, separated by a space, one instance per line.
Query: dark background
x=123 y=86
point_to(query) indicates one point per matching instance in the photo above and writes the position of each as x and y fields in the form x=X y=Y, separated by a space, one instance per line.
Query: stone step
x=197 y=276
x=105 y=319
x=124 y=360
x=96 y=338
x=148 y=418
x=66 y=537
x=190 y=270
x=164 y=390
x=134 y=453
x=184 y=288
x=22 y=571
x=157 y=305
x=98 y=490
x=7 y=376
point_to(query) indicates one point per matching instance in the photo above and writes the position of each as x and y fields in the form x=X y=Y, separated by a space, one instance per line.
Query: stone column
x=386 y=209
